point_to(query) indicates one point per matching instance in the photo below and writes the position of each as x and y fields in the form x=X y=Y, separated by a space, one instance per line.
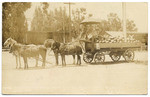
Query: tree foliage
x=78 y=16
x=57 y=20
x=114 y=23
x=49 y=21
x=131 y=25
x=14 y=21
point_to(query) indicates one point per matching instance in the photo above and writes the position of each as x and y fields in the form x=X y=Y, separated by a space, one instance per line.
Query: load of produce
x=110 y=39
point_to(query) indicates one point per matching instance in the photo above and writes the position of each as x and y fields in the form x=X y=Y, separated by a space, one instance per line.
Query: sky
x=138 y=12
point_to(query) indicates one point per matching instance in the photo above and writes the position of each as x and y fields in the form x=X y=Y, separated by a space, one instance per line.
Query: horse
x=9 y=43
x=26 y=51
x=68 y=49
x=54 y=45
x=48 y=44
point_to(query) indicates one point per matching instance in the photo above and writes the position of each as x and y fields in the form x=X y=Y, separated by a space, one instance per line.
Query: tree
x=78 y=16
x=14 y=21
x=47 y=21
x=131 y=25
x=37 y=22
x=114 y=22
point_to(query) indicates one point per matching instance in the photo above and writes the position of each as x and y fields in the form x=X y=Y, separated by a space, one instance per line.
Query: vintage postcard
x=74 y=48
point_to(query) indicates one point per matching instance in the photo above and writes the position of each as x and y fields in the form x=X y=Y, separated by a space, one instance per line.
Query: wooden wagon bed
x=118 y=45
x=96 y=51
x=113 y=45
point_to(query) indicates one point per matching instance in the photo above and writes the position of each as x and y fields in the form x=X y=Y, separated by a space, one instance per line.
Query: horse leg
x=73 y=59
x=56 y=57
x=79 y=59
x=16 y=62
x=27 y=62
x=43 y=55
x=64 y=61
x=24 y=62
x=44 y=58
x=36 y=58
x=19 y=62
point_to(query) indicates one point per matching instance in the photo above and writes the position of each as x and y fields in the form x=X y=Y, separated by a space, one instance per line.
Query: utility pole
x=69 y=3
x=124 y=20
x=64 y=29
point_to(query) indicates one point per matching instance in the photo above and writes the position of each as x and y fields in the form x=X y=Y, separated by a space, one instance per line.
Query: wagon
x=97 y=50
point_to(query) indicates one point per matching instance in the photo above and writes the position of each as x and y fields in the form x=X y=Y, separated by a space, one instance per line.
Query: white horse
x=26 y=51
x=9 y=43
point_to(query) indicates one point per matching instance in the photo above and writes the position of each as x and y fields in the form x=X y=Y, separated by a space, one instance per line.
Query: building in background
x=35 y=37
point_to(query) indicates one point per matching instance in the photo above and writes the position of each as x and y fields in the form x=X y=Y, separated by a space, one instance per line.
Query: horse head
x=48 y=43
x=9 y=42
x=55 y=45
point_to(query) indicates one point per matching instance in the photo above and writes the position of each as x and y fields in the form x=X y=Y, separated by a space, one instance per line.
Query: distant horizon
x=138 y=12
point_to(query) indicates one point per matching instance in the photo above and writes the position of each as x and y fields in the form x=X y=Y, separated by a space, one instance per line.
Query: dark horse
x=48 y=44
x=64 y=49
x=68 y=49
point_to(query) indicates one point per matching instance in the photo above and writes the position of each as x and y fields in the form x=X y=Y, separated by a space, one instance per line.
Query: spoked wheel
x=99 y=57
x=115 y=56
x=128 y=55
x=88 y=57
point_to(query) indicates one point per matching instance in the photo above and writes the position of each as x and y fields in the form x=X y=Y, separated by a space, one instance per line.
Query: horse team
x=34 y=51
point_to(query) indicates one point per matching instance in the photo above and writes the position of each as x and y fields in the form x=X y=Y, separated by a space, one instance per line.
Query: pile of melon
x=110 y=39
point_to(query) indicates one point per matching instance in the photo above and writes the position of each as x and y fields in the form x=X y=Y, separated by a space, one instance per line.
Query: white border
x=72 y=1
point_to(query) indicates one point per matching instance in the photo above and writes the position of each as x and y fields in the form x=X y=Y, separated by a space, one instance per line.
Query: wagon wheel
x=88 y=57
x=99 y=57
x=115 y=56
x=128 y=55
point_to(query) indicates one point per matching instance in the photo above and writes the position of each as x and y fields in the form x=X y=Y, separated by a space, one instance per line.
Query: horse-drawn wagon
x=97 y=46
x=97 y=51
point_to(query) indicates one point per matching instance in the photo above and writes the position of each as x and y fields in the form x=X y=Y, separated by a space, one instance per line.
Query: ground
x=107 y=78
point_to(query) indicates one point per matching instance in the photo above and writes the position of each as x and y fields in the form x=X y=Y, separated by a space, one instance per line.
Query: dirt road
x=108 y=78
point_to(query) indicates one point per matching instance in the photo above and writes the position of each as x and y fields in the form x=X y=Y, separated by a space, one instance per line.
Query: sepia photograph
x=75 y=48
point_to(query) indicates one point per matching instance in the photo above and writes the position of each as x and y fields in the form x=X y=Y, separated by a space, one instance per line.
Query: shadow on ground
x=110 y=63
